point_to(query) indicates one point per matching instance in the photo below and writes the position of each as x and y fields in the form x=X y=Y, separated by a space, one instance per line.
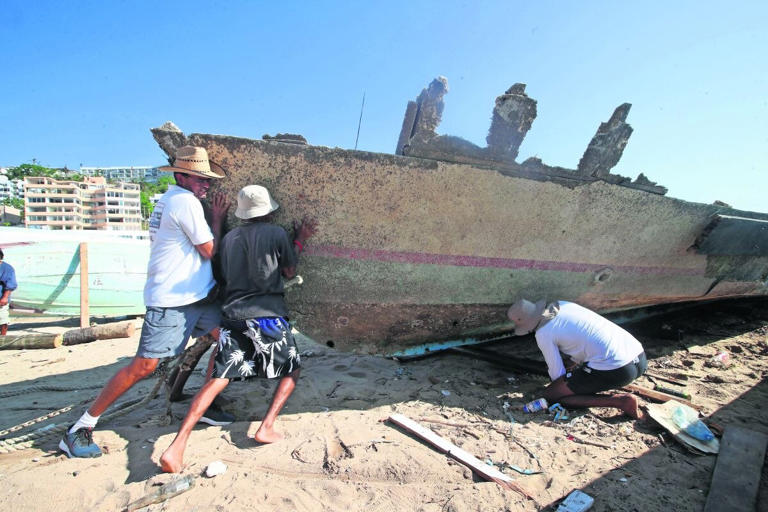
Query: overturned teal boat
x=48 y=269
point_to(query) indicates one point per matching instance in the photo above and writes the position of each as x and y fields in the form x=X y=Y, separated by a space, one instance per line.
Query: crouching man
x=255 y=338
x=603 y=356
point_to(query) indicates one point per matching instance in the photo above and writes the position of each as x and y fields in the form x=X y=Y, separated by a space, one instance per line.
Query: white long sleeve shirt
x=585 y=337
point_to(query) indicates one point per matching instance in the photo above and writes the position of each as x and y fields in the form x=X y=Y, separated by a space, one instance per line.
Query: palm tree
x=246 y=369
x=235 y=357
x=224 y=338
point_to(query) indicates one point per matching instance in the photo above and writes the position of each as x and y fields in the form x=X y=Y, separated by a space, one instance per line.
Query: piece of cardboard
x=662 y=414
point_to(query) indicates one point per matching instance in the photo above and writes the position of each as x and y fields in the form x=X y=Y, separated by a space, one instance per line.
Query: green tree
x=23 y=170
x=15 y=202
x=150 y=189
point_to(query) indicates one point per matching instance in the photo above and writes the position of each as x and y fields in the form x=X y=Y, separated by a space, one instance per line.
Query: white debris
x=215 y=468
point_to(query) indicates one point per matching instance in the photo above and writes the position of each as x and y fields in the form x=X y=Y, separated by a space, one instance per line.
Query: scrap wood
x=575 y=439
x=32 y=341
x=459 y=425
x=99 y=332
x=484 y=470
x=656 y=395
x=666 y=378
x=736 y=478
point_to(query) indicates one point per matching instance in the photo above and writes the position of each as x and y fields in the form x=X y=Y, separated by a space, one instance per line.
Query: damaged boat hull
x=410 y=250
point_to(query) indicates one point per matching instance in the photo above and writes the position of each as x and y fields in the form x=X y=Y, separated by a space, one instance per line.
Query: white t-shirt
x=177 y=275
x=585 y=337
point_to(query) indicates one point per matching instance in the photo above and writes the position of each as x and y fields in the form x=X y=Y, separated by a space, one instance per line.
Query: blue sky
x=83 y=82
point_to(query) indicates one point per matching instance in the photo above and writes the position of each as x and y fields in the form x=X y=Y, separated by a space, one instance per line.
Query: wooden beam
x=85 y=319
x=445 y=446
x=657 y=395
x=736 y=479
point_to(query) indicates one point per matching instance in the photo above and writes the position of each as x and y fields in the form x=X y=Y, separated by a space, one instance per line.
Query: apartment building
x=132 y=173
x=10 y=189
x=89 y=204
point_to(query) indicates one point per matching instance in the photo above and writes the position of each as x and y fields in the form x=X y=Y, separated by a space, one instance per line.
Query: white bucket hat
x=254 y=201
x=526 y=315
x=194 y=160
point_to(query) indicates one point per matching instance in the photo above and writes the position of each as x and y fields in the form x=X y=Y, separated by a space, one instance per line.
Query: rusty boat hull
x=436 y=245
x=412 y=250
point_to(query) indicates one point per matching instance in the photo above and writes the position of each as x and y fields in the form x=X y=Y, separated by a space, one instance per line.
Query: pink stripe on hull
x=481 y=262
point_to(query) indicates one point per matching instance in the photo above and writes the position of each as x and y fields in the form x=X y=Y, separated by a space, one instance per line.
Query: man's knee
x=556 y=390
x=142 y=366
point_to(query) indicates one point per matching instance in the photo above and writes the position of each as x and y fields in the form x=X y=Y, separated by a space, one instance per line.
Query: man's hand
x=220 y=203
x=3 y=301
x=305 y=229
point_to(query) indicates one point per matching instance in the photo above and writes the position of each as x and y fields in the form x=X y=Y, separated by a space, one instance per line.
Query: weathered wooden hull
x=412 y=250
x=47 y=269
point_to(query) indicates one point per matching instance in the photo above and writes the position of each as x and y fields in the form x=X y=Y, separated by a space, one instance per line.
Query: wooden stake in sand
x=84 y=313
x=444 y=446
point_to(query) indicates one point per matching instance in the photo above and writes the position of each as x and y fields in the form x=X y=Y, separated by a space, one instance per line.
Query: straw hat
x=254 y=201
x=526 y=315
x=194 y=160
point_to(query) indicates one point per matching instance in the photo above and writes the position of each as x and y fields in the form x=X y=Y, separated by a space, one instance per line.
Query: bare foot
x=170 y=461
x=267 y=436
x=630 y=408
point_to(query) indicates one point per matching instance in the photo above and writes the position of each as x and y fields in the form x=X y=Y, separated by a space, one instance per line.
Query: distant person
x=255 y=338
x=7 y=285
x=602 y=355
x=179 y=280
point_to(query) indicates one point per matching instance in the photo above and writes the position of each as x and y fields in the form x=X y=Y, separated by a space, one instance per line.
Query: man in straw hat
x=603 y=356
x=255 y=338
x=179 y=279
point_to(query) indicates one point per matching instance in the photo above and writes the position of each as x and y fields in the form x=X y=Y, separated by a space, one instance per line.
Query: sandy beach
x=341 y=454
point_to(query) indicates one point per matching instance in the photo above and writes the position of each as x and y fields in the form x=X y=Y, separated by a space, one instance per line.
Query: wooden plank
x=445 y=446
x=736 y=479
x=85 y=319
x=657 y=395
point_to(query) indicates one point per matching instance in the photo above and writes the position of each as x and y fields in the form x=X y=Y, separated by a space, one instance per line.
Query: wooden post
x=85 y=319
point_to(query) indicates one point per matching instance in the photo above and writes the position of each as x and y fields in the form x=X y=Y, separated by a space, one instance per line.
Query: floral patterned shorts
x=257 y=347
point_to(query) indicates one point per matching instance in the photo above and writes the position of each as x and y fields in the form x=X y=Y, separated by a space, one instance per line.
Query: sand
x=341 y=454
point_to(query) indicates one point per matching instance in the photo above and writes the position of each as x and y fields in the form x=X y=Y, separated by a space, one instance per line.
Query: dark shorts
x=258 y=347
x=165 y=331
x=588 y=381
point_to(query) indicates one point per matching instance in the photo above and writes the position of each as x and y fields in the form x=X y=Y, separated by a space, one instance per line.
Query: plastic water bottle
x=537 y=405
x=691 y=424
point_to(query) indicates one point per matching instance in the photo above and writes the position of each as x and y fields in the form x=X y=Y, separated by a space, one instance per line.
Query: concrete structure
x=90 y=204
x=10 y=215
x=133 y=173
x=10 y=189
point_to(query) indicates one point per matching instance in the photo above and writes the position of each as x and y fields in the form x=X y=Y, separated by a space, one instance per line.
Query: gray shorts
x=5 y=316
x=165 y=331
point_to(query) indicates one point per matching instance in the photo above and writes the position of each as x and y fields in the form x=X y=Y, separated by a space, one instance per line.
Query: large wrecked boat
x=434 y=242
